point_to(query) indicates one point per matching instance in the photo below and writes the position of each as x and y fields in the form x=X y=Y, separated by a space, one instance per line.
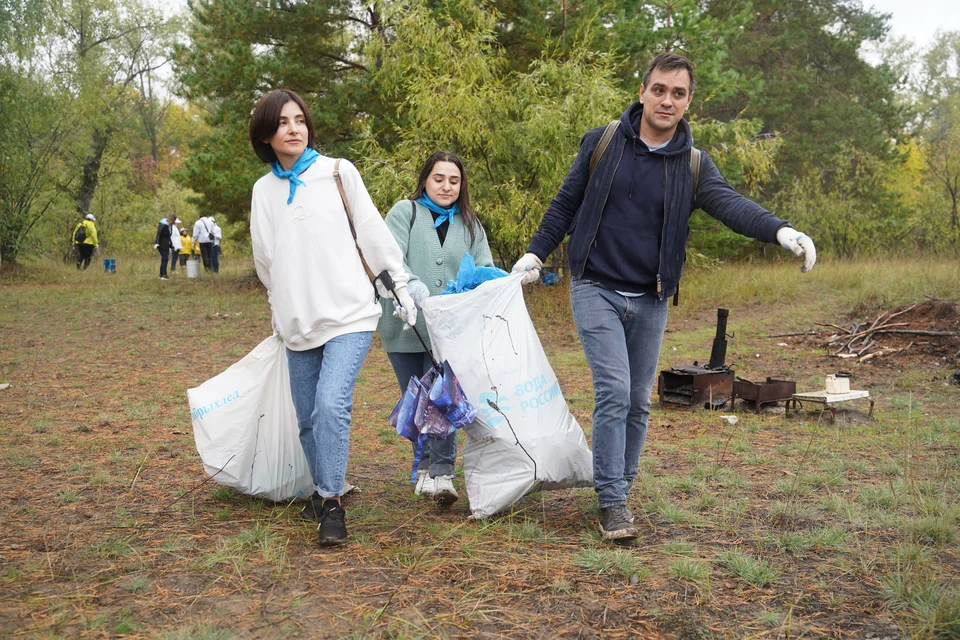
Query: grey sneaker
x=444 y=493
x=616 y=523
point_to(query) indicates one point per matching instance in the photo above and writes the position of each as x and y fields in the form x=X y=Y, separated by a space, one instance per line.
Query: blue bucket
x=109 y=265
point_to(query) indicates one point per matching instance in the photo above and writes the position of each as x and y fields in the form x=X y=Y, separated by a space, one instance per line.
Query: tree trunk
x=91 y=171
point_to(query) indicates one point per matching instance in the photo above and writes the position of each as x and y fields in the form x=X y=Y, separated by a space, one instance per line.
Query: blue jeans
x=321 y=381
x=215 y=257
x=438 y=456
x=621 y=338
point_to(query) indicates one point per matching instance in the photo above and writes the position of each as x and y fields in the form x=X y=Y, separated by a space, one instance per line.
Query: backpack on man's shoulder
x=80 y=235
x=607 y=136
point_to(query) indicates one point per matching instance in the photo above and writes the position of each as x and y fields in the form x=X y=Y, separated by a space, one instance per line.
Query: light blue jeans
x=322 y=381
x=621 y=338
x=438 y=456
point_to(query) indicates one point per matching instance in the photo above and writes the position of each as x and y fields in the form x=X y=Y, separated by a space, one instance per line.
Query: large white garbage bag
x=244 y=421
x=526 y=440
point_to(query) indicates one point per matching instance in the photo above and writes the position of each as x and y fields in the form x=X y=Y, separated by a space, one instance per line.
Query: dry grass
x=772 y=527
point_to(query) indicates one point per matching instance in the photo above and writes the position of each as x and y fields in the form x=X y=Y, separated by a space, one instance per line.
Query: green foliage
x=816 y=91
x=848 y=207
x=517 y=132
x=239 y=50
x=32 y=172
x=747 y=161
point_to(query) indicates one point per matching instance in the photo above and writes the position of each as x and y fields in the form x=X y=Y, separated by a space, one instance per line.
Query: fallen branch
x=919 y=332
x=827 y=324
x=793 y=335
x=877 y=330
x=883 y=352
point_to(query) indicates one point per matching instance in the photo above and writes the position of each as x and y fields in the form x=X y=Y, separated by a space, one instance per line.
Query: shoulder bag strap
x=413 y=213
x=353 y=230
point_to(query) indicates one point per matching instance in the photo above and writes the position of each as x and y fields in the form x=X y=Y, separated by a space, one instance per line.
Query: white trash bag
x=527 y=440
x=244 y=421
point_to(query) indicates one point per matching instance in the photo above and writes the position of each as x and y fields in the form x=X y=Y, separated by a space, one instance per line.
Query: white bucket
x=193 y=268
x=837 y=384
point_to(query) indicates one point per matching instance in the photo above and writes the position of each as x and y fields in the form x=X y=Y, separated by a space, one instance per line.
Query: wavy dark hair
x=669 y=62
x=265 y=121
x=470 y=219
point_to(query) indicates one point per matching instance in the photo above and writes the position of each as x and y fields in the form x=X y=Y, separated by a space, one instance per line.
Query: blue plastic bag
x=470 y=276
x=432 y=406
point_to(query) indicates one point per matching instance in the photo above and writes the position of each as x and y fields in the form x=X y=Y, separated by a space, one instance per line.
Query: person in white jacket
x=177 y=245
x=203 y=235
x=324 y=306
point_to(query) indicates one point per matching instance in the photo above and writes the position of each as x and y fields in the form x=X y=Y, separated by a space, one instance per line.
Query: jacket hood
x=630 y=128
x=164 y=221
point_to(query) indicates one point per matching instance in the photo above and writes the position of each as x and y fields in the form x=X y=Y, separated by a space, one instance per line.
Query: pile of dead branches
x=861 y=341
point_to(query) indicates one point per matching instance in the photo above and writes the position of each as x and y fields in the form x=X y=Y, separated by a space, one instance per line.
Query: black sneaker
x=332 y=529
x=311 y=510
x=615 y=523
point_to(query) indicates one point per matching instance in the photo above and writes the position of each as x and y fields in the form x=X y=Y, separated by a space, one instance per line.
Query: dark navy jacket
x=577 y=211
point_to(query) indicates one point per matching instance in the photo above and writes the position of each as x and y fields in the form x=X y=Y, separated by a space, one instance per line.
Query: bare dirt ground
x=774 y=527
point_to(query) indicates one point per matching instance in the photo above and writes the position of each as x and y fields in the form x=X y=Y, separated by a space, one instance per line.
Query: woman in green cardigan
x=435 y=228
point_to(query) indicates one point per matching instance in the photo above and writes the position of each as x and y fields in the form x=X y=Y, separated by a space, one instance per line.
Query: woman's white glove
x=530 y=265
x=404 y=308
x=418 y=291
x=800 y=244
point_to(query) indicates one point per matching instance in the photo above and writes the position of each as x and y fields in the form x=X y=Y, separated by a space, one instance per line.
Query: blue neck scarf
x=307 y=158
x=446 y=215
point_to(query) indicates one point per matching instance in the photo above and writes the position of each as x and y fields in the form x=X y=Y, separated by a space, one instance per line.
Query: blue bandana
x=446 y=215
x=307 y=158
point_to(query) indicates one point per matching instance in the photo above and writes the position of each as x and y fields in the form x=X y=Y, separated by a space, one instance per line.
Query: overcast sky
x=919 y=19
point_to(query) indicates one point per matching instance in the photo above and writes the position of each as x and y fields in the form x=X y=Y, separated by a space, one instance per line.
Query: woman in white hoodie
x=324 y=305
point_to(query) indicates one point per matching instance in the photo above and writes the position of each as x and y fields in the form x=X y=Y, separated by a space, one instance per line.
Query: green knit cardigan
x=425 y=260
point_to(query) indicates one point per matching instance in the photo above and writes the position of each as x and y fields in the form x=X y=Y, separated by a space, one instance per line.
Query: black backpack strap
x=413 y=213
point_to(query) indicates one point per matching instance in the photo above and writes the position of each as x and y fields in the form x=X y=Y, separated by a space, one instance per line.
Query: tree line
x=116 y=109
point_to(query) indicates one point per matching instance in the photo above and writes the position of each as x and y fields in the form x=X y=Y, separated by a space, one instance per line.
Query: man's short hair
x=669 y=62
x=266 y=120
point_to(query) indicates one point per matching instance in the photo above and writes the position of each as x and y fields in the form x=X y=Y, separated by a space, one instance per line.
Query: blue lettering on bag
x=199 y=412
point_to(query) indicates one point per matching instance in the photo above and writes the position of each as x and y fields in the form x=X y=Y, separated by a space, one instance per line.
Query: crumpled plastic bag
x=470 y=276
x=432 y=406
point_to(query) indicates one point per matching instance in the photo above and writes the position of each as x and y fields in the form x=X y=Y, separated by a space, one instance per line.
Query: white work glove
x=156 y=246
x=529 y=264
x=404 y=308
x=418 y=291
x=800 y=244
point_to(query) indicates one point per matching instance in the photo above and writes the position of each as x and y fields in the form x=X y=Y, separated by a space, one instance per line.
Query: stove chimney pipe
x=719 y=352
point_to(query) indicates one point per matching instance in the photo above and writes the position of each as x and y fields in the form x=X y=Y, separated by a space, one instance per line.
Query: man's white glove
x=800 y=244
x=156 y=246
x=418 y=291
x=404 y=308
x=529 y=264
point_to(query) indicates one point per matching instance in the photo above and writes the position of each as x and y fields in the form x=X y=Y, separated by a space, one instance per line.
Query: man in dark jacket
x=628 y=235
x=164 y=242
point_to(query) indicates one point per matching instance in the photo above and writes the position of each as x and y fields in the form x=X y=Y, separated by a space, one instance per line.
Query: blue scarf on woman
x=445 y=215
x=307 y=158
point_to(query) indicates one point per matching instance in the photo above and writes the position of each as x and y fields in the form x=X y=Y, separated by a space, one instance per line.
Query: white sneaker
x=444 y=493
x=425 y=484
